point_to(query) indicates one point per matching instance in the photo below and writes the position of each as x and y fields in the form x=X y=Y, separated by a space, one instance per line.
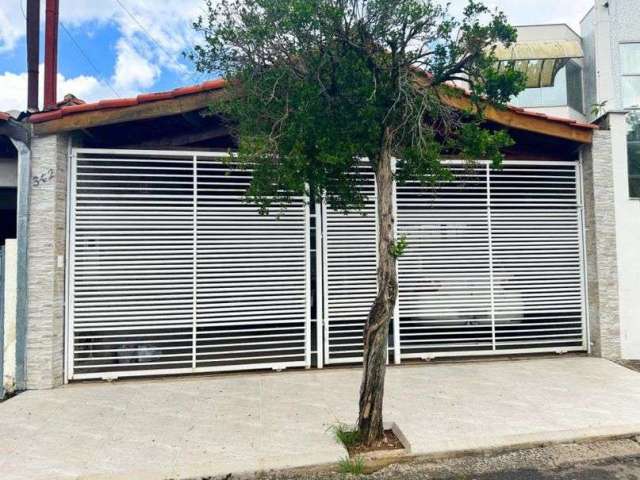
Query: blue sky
x=135 y=46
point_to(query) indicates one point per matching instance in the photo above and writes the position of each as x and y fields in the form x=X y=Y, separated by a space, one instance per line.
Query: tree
x=315 y=86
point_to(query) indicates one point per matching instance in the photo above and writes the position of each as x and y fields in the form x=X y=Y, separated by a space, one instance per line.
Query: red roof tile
x=63 y=111
x=217 y=85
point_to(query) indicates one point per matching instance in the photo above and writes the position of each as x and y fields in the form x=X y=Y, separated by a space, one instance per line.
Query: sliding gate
x=494 y=265
x=170 y=270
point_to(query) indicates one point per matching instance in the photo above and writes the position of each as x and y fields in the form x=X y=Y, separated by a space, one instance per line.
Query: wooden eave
x=159 y=108
x=508 y=117
x=529 y=121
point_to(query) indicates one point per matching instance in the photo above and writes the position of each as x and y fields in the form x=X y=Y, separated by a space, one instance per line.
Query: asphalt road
x=613 y=469
x=603 y=460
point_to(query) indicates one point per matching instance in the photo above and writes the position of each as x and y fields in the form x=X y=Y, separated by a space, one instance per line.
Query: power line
x=82 y=52
x=86 y=57
x=144 y=29
x=128 y=12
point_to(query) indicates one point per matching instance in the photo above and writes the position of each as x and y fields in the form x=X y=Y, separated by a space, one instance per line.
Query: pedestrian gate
x=170 y=270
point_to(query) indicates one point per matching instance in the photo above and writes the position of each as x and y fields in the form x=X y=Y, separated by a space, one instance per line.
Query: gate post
x=319 y=283
x=396 y=309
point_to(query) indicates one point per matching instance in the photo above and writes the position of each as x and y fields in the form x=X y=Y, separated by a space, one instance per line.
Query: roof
x=540 y=61
x=64 y=111
x=50 y=122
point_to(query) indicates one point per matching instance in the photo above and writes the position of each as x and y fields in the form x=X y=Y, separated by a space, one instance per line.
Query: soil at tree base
x=389 y=442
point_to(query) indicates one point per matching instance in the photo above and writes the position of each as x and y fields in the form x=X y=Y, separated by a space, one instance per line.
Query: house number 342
x=44 y=178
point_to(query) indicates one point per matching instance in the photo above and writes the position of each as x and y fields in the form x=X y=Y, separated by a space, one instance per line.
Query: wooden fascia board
x=518 y=121
x=187 y=103
x=160 y=108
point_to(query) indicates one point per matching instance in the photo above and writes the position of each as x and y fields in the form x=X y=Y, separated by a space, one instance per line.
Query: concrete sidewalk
x=196 y=426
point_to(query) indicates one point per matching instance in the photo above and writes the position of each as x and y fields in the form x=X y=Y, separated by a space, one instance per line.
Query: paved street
x=212 y=425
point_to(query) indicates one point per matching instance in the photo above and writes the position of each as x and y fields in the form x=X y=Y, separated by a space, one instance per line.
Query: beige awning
x=539 y=61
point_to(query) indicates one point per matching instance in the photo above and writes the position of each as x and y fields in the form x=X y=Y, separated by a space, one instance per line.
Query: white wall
x=8 y=172
x=603 y=30
x=10 y=279
x=627 y=240
x=549 y=32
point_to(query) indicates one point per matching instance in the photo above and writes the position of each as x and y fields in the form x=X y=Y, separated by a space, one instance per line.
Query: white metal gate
x=171 y=271
x=494 y=265
x=349 y=274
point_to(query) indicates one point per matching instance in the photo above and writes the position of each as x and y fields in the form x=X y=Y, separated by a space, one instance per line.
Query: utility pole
x=51 y=54
x=33 y=53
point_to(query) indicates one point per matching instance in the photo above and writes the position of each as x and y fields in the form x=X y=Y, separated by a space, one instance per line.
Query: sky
x=120 y=48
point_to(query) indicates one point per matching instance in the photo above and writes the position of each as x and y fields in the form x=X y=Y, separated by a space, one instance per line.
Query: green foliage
x=477 y=142
x=352 y=466
x=399 y=246
x=345 y=434
x=318 y=85
x=598 y=108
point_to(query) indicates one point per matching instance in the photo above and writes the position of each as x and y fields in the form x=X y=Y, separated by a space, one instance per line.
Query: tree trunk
x=376 y=332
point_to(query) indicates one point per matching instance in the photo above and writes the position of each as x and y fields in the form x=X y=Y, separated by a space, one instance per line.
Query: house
x=137 y=254
x=144 y=259
x=602 y=84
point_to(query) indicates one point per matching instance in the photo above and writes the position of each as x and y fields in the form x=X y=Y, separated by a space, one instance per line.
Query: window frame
x=635 y=177
x=624 y=74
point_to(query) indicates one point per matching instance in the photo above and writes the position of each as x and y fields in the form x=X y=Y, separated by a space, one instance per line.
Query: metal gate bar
x=495 y=262
x=170 y=271
x=349 y=273
x=494 y=265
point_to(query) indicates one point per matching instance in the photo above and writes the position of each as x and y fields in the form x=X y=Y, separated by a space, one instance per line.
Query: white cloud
x=12 y=25
x=157 y=32
x=530 y=12
x=152 y=41
x=132 y=71
x=13 y=94
x=153 y=35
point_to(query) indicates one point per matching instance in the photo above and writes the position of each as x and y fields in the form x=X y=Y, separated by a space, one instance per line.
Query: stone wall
x=47 y=225
x=602 y=271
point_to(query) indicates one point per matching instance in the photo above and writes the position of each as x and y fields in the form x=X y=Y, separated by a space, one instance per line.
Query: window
x=630 y=59
x=633 y=148
x=566 y=90
x=574 y=86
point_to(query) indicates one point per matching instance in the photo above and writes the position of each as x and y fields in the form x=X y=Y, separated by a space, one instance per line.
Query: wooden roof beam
x=143 y=111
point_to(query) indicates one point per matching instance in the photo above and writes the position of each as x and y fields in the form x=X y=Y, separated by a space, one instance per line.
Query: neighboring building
x=611 y=32
x=609 y=94
x=556 y=50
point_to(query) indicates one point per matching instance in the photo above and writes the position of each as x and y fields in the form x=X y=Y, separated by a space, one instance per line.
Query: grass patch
x=353 y=466
x=345 y=434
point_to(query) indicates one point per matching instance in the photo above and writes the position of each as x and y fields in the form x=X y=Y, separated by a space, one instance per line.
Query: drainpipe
x=22 y=236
